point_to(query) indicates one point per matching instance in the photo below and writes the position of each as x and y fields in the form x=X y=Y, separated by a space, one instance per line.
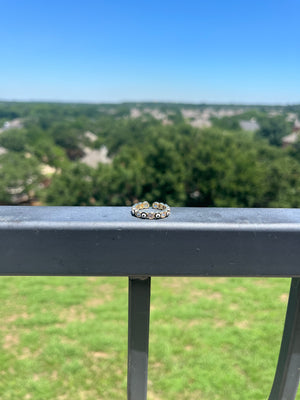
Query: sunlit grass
x=66 y=338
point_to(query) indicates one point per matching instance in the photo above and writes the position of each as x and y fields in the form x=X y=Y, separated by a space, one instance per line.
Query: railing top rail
x=181 y=218
x=109 y=241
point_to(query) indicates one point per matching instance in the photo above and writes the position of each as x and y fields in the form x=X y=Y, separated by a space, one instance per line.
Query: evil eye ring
x=160 y=210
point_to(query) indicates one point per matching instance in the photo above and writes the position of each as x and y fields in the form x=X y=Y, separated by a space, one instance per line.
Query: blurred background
x=105 y=103
x=194 y=104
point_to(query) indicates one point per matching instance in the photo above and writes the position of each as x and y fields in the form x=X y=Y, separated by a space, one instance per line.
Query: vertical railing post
x=287 y=375
x=138 y=337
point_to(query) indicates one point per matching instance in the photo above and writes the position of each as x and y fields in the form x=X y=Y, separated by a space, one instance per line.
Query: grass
x=210 y=338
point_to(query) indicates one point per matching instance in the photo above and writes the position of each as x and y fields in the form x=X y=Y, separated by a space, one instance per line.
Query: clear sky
x=158 y=50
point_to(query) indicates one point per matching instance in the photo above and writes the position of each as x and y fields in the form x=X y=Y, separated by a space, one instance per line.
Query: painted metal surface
x=287 y=375
x=108 y=241
x=138 y=337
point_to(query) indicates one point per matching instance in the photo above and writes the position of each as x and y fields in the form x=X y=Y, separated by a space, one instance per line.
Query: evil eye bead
x=144 y=215
x=157 y=216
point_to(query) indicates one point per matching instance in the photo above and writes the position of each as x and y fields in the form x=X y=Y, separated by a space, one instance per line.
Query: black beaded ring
x=161 y=210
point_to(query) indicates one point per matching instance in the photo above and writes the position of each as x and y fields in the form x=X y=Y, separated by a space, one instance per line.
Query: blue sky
x=180 y=51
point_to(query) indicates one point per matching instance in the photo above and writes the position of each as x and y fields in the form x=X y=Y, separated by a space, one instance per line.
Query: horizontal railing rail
x=108 y=241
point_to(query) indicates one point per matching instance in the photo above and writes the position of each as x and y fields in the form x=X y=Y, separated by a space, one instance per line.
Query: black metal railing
x=108 y=241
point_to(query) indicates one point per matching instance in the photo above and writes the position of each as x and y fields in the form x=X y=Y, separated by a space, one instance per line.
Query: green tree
x=236 y=170
x=273 y=129
x=69 y=137
x=122 y=182
x=14 y=139
x=223 y=170
x=18 y=176
x=72 y=187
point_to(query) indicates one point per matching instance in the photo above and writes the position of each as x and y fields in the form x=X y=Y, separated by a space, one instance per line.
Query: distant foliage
x=14 y=140
x=73 y=187
x=19 y=176
x=274 y=129
x=220 y=166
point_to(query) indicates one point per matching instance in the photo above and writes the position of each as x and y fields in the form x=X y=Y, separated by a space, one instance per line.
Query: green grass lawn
x=66 y=338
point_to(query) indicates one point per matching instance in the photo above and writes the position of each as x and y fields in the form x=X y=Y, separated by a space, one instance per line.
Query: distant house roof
x=290 y=139
x=14 y=123
x=296 y=125
x=91 y=136
x=93 y=157
x=250 y=125
x=47 y=169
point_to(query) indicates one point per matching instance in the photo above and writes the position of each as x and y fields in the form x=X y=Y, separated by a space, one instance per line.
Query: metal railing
x=108 y=241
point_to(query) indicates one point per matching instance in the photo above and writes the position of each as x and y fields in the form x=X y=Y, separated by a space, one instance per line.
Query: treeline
x=220 y=166
x=185 y=167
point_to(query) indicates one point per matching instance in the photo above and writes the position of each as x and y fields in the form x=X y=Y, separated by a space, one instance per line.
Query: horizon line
x=119 y=102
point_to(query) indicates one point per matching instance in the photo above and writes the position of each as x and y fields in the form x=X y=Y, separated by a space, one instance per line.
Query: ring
x=161 y=210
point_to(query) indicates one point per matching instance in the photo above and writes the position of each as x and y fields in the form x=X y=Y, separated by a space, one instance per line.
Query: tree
x=273 y=129
x=227 y=169
x=72 y=187
x=68 y=136
x=19 y=177
x=14 y=139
